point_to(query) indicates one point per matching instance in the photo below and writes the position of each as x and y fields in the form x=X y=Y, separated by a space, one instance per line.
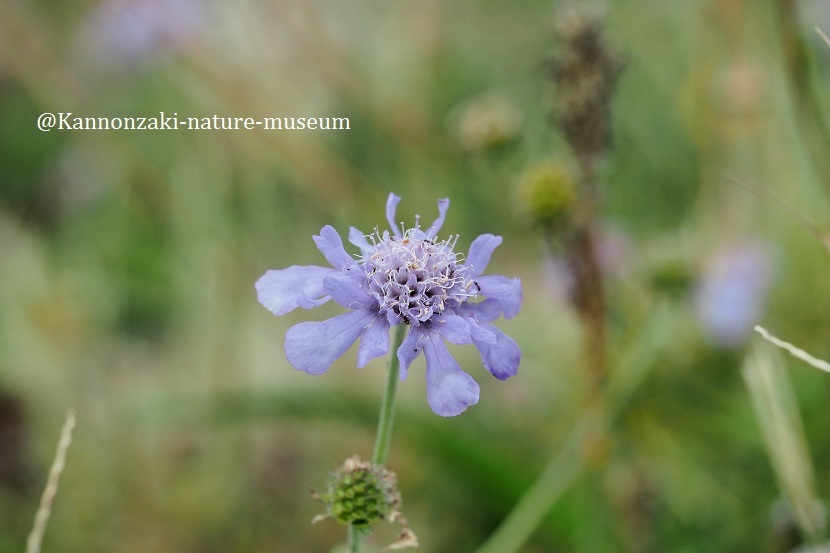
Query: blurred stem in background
x=584 y=71
x=572 y=458
x=776 y=410
x=33 y=544
x=385 y=421
x=800 y=69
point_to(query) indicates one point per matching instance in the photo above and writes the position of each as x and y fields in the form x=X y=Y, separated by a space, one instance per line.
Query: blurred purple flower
x=119 y=32
x=731 y=295
x=614 y=253
x=403 y=277
x=558 y=278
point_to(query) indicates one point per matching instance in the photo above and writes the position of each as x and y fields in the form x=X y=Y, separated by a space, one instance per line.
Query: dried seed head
x=584 y=70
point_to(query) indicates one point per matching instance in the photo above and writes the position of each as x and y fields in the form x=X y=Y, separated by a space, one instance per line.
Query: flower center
x=414 y=278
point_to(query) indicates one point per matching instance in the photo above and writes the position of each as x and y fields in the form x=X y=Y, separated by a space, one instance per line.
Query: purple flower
x=118 y=33
x=404 y=277
x=732 y=294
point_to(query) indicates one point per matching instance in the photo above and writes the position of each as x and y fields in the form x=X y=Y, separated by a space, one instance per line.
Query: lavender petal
x=453 y=328
x=374 y=342
x=391 y=208
x=331 y=246
x=499 y=352
x=346 y=290
x=449 y=389
x=443 y=205
x=410 y=349
x=480 y=252
x=508 y=291
x=357 y=238
x=483 y=311
x=284 y=290
x=313 y=347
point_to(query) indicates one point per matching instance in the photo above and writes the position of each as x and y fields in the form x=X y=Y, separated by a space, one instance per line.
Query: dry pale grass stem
x=793 y=350
x=777 y=413
x=45 y=509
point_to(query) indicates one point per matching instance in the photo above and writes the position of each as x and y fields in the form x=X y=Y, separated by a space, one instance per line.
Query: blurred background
x=127 y=264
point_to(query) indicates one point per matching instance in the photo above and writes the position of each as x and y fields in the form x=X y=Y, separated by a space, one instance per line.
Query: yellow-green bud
x=548 y=192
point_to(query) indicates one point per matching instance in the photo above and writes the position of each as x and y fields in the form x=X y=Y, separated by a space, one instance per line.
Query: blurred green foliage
x=127 y=263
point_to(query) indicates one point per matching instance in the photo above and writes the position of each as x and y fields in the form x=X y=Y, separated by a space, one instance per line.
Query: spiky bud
x=361 y=493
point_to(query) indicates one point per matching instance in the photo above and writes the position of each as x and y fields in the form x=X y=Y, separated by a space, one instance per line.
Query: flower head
x=401 y=277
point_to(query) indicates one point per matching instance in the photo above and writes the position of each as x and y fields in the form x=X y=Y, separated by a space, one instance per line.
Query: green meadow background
x=127 y=264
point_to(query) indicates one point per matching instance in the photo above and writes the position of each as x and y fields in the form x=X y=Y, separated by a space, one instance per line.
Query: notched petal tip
x=391 y=208
x=443 y=205
x=501 y=358
x=281 y=291
x=331 y=246
x=450 y=391
x=455 y=395
x=481 y=250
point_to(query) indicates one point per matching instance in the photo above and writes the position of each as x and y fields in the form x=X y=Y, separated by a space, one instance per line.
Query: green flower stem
x=387 y=408
x=354 y=536
x=387 y=417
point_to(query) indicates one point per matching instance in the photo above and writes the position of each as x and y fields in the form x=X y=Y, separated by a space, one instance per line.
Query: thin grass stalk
x=776 y=410
x=45 y=509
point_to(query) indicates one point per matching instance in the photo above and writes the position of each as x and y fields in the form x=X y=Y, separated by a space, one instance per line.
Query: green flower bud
x=673 y=278
x=548 y=192
x=361 y=494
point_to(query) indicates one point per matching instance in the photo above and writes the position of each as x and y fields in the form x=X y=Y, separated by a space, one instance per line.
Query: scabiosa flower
x=401 y=277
